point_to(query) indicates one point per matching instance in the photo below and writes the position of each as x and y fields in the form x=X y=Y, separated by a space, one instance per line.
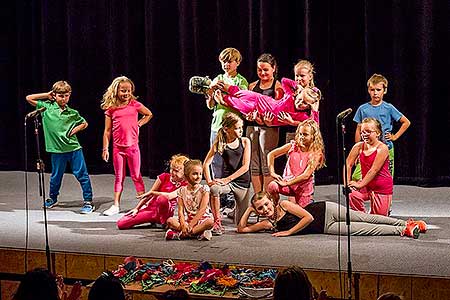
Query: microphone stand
x=347 y=201
x=40 y=170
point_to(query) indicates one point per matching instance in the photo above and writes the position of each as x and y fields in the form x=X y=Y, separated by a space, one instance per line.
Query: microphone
x=345 y=113
x=36 y=112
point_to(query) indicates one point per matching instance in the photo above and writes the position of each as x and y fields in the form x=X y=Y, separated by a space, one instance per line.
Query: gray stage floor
x=69 y=231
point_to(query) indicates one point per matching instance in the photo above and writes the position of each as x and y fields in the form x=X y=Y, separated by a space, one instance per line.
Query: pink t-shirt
x=125 y=129
x=296 y=165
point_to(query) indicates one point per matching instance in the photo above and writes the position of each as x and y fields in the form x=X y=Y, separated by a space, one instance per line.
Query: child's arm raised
x=271 y=159
x=106 y=137
x=33 y=98
x=245 y=164
x=305 y=218
x=147 y=115
x=244 y=227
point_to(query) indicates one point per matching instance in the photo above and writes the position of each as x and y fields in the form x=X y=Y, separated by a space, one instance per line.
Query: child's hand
x=132 y=212
x=268 y=118
x=282 y=182
x=285 y=118
x=222 y=181
x=389 y=137
x=276 y=177
x=251 y=116
x=105 y=155
x=355 y=185
x=281 y=233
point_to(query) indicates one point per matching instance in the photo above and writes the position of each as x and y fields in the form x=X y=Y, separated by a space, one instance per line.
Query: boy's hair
x=317 y=145
x=61 y=87
x=270 y=59
x=229 y=119
x=306 y=64
x=378 y=78
x=178 y=160
x=188 y=165
x=292 y=283
x=230 y=54
x=110 y=96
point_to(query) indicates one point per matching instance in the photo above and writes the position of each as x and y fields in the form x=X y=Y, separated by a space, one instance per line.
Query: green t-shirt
x=57 y=126
x=219 y=109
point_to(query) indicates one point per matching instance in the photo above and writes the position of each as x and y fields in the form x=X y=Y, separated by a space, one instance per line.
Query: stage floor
x=70 y=231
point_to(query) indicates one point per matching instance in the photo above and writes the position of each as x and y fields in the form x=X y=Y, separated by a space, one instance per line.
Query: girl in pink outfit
x=305 y=155
x=121 y=117
x=158 y=204
x=296 y=104
x=377 y=184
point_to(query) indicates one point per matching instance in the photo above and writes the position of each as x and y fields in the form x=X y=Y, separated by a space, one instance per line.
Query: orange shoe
x=411 y=230
x=422 y=225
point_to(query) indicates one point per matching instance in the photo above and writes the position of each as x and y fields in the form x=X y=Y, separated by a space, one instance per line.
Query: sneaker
x=49 y=203
x=199 y=85
x=206 y=235
x=218 y=229
x=411 y=230
x=87 y=208
x=172 y=235
x=113 y=210
x=422 y=225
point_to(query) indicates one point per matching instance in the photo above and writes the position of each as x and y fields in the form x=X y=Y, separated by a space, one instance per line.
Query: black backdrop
x=161 y=44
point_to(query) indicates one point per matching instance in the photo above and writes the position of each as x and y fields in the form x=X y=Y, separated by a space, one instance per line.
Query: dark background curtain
x=161 y=44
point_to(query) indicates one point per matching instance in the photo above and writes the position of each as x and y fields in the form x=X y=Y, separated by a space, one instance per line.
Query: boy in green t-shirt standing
x=61 y=124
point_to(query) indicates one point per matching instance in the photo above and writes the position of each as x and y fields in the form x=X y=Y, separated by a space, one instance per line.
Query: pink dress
x=296 y=164
x=250 y=101
x=158 y=208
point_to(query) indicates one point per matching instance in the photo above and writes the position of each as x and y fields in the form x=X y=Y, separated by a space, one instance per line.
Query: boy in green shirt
x=61 y=124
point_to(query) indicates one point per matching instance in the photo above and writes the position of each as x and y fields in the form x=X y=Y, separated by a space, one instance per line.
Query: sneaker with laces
x=206 y=235
x=172 y=235
x=87 y=208
x=199 y=85
x=113 y=210
x=411 y=230
x=422 y=225
x=49 y=203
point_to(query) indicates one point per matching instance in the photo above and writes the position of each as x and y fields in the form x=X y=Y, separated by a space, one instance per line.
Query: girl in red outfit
x=158 y=204
x=376 y=185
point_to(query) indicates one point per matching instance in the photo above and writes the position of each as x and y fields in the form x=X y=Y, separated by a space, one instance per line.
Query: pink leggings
x=294 y=190
x=131 y=156
x=379 y=203
x=158 y=210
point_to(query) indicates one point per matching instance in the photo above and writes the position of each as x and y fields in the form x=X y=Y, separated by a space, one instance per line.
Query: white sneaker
x=206 y=235
x=113 y=210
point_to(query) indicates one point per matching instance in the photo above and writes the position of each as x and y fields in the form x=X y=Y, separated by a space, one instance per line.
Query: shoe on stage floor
x=411 y=230
x=49 y=203
x=87 y=208
x=113 y=210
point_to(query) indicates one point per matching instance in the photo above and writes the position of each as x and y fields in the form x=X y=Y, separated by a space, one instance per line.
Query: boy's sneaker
x=206 y=235
x=411 y=230
x=87 y=208
x=49 y=203
x=199 y=85
x=113 y=210
x=422 y=225
x=172 y=235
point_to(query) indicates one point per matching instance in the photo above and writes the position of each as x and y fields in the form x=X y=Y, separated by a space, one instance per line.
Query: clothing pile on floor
x=200 y=278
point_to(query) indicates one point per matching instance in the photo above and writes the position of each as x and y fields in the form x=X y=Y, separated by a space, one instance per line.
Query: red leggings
x=157 y=210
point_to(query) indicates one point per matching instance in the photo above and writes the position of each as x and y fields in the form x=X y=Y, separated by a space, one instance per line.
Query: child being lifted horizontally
x=121 y=118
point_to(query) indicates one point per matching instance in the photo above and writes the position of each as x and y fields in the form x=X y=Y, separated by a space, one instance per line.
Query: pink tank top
x=382 y=183
x=125 y=130
x=296 y=165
